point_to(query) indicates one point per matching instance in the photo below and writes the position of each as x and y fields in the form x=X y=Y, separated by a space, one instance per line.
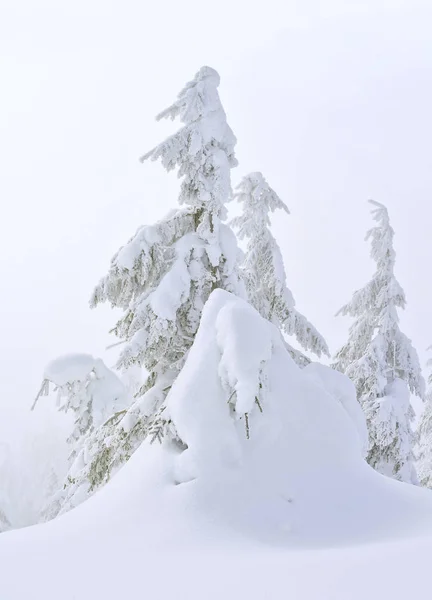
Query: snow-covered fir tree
x=163 y=276
x=424 y=435
x=263 y=266
x=87 y=388
x=381 y=360
x=92 y=393
x=4 y=522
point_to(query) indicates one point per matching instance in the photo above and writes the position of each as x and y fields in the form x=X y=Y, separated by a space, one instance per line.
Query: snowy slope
x=291 y=512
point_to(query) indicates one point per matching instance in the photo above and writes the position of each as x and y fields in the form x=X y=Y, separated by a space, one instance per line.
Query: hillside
x=293 y=511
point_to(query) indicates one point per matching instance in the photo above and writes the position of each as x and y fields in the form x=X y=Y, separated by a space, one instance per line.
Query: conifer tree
x=381 y=360
x=424 y=433
x=263 y=266
x=85 y=387
x=92 y=393
x=4 y=522
x=163 y=276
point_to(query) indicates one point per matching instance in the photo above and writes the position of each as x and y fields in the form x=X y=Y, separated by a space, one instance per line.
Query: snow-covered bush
x=381 y=360
x=241 y=402
x=263 y=266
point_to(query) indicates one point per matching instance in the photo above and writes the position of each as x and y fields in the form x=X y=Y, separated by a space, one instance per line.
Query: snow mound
x=234 y=505
x=342 y=389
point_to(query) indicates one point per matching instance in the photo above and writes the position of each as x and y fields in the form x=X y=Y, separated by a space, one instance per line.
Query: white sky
x=330 y=100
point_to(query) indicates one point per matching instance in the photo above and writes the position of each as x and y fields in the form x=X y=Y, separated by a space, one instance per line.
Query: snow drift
x=227 y=512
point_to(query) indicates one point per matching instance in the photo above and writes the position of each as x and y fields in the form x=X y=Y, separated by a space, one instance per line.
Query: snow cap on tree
x=93 y=393
x=86 y=387
x=203 y=150
x=378 y=358
x=264 y=269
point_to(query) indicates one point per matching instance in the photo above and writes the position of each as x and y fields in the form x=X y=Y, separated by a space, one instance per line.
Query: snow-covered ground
x=341 y=535
x=291 y=512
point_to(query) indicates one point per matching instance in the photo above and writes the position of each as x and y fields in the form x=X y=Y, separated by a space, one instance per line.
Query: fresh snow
x=292 y=511
x=97 y=384
x=70 y=367
x=343 y=390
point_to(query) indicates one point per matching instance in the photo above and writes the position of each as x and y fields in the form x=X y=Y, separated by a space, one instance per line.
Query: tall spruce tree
x=381 y=360
x=263 y=267
x=163 y=276
x=424 y=432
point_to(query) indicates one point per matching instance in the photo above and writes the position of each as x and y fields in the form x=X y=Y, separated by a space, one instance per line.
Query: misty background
x=330 y=100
